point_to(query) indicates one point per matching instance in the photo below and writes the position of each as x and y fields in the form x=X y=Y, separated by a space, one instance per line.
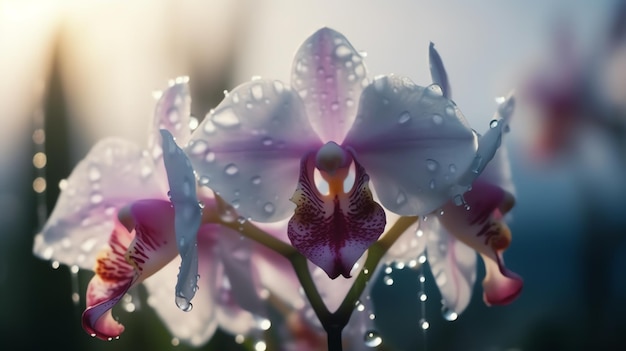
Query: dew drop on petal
x=267 y=141
x=493 y=123
x=404 y=117
x=423 y=323
x=372 y=338
x=450 y=111
x=257 y=92
x=183 y=304
x=401 y=198
x=96 y=198
x=434 y=90
x=342 y=51
x=432 y=165
x=449 y=314
x=452 y=168
x=94 y=173
x=269 y=208
x=334 y=106
x=437 y=119
x=432 y=184
x=423 y=297
x=231 y=169
x=225 y=118
x=458 y=200
x=198 y=147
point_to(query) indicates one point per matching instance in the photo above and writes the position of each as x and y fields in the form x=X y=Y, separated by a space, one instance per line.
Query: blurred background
x=72 y=72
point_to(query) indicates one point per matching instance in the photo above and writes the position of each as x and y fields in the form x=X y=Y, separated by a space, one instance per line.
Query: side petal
x=113 y=277
x=182 y=181
x=198 y=325
x=329 y=75
x=334 y=230
x=438 y=71
x=172 y=112
x=248 y=149
x=114 y=173
x=453 y=265
x=413 y=141
x=489 y=143
x=483 y=229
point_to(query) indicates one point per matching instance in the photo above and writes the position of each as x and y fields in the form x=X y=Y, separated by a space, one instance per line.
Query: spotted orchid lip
x=333 y=230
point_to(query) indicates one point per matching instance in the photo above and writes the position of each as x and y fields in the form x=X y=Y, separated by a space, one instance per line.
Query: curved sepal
x=438 y=71
x=113 y=277
x=248 y=149
x=334 y=230
x=329 y=75
x=188 y=213
x=414 y=143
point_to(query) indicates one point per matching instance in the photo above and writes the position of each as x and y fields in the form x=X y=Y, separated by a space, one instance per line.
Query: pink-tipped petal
x=172 y=113
x=112 y=175
x=453 y=264
x=182 y=182
x=248 y=149
x=113 y=277
x=482 y=228
x=413 y=141
x=334 y=230
x=500 y=286
x=329 y=75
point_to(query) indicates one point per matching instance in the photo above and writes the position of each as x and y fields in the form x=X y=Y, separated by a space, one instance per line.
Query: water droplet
x=422 y=259
x=278 y=87
x=231 y=169
x=432 y=165
x=388 y=270
x=452 y=168
x=493 y=123
x=437 y=119
x=404 y=117
x=450 y=111
x=401 y=198
x=228 y=216
x=349 y=102
x=388 y=280
x=260 y=346
x=334 y=106
x=263 y=323
x=96 y=198
x=449 y=314
x=225 y=93
x=343 y=51
x=478 y=160
x=204 y=180
x=198 y=147
x=94 y=173
x=423 y=323
x=257 y=92
x=183 y=304
x=459 y=200
x=432 y=184
x=423 y=297
x=372 y=338
x=269 y=208
x=434 y=90
x=226 y=118
x=267 y=141
x=380 y=83
x=209 y=127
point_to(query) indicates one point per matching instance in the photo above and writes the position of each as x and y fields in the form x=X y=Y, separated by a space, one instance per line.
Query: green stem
x=333 y=333
x=374 y=254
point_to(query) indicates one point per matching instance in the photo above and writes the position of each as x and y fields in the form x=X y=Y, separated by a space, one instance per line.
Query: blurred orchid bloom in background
x=114 y=211
x=320 y=135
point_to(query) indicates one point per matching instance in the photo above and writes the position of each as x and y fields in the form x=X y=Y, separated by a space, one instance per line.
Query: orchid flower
x=115 y=216
x=325 y=136
x=474 y=222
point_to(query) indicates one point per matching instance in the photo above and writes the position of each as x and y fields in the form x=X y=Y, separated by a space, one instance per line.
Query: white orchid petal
x=413 y=142
x=329 y=75
x=249 y=149
x=112 y=175
x=438 y=71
